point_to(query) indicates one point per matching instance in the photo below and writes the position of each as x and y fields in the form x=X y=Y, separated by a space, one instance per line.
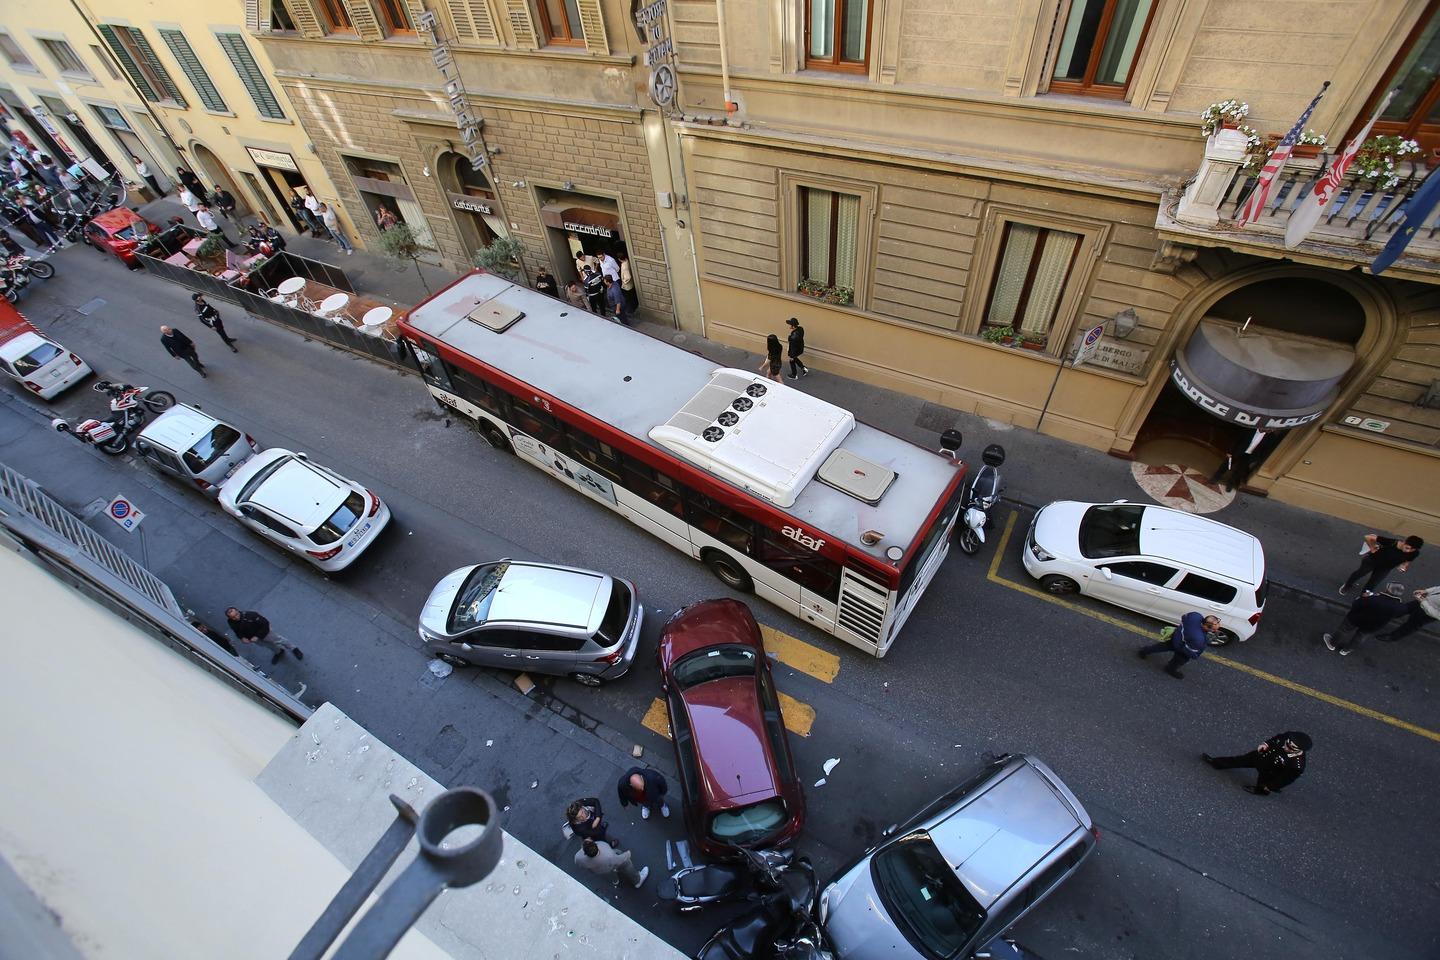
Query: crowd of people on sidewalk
x=42 y=200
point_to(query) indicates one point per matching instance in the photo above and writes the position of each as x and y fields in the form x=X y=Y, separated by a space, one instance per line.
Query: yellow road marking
x=657 y=719
x=994 y=577
x=799 y=717
x=805 y=657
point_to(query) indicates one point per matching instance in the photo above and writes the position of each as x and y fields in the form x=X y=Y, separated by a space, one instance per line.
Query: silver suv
x=963 y=870
x=535 y=617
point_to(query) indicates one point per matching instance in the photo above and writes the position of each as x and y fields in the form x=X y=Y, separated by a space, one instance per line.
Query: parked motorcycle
x=692 y=886
x=13 y=283
x=127 y=407
x=43 y=269
x=981 y=495
x=781 y=927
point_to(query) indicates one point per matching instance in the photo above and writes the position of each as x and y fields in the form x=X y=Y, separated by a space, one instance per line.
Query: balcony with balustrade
x=1359 y=221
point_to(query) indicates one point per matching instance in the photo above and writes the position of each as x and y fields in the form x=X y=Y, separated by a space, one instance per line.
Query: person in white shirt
x=191 y=201
x=144 y=172
x=312 y=212
x=597 y=856
x=610 y=266
x=332 y=223
x=208 y=223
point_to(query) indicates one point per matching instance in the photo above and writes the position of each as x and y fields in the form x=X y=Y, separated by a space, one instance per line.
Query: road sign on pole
x=1089 y=345
x=125 y=514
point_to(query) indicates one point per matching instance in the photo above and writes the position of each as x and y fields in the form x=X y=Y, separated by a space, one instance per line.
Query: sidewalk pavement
x=1307 y=552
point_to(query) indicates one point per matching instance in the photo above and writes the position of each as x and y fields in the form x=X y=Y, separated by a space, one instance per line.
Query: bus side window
x=431 y=367
x=720 y=522
x=599 y=455
x=470 y=387
x=537 y=423
x=652 y=485
x=796 y=562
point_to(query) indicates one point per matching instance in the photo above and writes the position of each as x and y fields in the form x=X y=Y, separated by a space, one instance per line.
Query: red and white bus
x=776 y=491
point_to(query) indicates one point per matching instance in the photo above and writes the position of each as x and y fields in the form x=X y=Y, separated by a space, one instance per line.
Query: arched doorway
x=473 y=200
x=216 y=173
x=1266 y=358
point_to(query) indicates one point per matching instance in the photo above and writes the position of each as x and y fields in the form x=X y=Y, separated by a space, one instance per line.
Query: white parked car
x=43 y=366
x=304 y=508
x=1160 y=562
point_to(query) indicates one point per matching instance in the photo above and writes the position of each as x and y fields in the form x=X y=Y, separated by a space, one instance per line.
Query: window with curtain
x=829 y=224
x=1035 y=264
x=1415 y=111
x=1098 y=45
x=560 y=20
x=334 y=16
x=837 y=35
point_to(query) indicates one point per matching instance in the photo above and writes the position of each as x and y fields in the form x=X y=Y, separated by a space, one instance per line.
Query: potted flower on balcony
x=1004 y=336
x=843 y=296
x=1309 y=144
x=1377 y=159
x=1031 y=340
x=1226 y=114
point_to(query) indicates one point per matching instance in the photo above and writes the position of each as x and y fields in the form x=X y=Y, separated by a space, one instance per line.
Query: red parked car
x=731 y=746
x=118 y=232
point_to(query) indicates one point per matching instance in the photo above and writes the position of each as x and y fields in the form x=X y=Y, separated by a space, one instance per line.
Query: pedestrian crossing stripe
x=799 y=716
x=805 y=657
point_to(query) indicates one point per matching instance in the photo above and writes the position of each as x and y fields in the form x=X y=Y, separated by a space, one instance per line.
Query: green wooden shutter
x=250 y=74
x=194 y=69
x=522 y=22
x=362 y=15
x=304 y=16
x=171 y=92
x=592 y=24
x=128 y=62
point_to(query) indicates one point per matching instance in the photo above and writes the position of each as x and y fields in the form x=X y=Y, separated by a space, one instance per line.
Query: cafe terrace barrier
x=280 y=267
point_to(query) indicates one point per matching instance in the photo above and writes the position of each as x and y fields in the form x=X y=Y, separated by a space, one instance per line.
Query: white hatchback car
x=1160 y=562
x=304 y=508
x=41 y=364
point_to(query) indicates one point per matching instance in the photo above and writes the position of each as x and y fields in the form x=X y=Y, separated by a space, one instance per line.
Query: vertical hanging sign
x=659 y=52
x=468 y=124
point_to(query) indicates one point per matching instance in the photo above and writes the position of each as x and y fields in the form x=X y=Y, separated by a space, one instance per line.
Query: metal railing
x=1362 y=209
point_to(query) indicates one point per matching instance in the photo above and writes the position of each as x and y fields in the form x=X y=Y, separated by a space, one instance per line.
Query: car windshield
x=341 y=520
x=746 y=825
x=472 y=601
x=924 y=897
x=1111 y=530
x=716 y=663
x=617 y=614
x=210 y=447
x=37 y=358
x=136 y=231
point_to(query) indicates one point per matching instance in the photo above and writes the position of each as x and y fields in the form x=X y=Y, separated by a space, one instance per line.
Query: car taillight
x=612 y=658
x=202 y=484
x=1255 y=618
x=1095 y=832
x=253 y=445
x=32 y=386
x=374 y=504
x=326 y=554
x=76 y=360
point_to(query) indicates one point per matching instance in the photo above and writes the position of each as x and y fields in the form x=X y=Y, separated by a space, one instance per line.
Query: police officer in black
x=211 y=318
x=594 y=283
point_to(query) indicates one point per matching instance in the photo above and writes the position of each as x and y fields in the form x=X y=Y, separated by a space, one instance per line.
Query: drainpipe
x=730 y=105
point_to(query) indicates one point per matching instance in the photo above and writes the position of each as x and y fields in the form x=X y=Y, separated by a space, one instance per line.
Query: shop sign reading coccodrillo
x=591 y=228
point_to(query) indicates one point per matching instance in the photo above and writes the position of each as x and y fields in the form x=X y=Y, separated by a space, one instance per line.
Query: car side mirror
x=302 y=455
x=1108 y=574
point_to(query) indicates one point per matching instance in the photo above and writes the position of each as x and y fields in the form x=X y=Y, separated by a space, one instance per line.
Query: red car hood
x=709 y=623
x=729 y=733
x=113 y=221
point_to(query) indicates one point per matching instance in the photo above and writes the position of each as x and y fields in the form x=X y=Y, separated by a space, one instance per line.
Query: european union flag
x=1414 y=215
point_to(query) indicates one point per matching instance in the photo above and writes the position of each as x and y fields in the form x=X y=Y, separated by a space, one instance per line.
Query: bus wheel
x=496 y=439
x=730 y=572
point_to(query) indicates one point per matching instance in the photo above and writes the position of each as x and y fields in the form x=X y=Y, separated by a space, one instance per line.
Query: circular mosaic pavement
x=1180 y=487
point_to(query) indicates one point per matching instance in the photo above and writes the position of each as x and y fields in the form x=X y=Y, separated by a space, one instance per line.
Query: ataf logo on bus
x=802 y=538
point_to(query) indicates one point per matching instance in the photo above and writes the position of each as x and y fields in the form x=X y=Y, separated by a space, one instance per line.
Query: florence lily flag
x=1255 y=204
x=1308 y=211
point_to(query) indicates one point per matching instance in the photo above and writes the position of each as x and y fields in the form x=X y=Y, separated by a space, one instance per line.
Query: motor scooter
x=127 y=407
x=691 y=886
x=781 y=927
x=981 y=494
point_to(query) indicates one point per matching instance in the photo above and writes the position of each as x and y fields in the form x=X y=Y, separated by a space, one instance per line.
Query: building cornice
x=411 y=88
x=575 y=55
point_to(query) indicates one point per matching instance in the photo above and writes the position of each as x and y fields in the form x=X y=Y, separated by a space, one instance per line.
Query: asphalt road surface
x=1188 y=866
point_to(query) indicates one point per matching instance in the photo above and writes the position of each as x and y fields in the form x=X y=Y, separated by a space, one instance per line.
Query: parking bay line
x=805 y=657
x=799 y=716
x=1300 y=688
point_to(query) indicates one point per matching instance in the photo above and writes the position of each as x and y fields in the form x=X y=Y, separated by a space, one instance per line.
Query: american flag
x=1255 y=203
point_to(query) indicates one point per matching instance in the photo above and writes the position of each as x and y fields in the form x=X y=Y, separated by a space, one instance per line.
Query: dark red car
x=730 y=741
x=118 y=232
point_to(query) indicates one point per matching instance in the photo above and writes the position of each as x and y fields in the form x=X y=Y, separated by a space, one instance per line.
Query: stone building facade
x=571 y=158
x=951 y=195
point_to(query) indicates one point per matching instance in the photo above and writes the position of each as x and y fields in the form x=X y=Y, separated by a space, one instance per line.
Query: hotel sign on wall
x=468 y=124
x=659 y=52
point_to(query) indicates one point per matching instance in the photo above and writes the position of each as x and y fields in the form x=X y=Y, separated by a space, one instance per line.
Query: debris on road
x=524 y=684
x=440 y=668
x=637 y=751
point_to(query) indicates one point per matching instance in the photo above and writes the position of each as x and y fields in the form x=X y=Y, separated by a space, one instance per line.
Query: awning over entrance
x=1259 y=378
x=590 y=217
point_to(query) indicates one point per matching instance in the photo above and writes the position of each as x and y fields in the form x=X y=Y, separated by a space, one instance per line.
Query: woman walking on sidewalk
x=770 y=366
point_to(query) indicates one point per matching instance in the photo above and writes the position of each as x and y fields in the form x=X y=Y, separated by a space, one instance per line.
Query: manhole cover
x=90 y=306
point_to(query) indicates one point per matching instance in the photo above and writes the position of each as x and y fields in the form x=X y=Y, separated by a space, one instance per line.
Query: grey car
x=535 y=617
x=963 y=870
x=194 y=447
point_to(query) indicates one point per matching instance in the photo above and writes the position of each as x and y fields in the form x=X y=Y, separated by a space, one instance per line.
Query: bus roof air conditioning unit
x=766 y=438
x=494 y=315
x=863 y=480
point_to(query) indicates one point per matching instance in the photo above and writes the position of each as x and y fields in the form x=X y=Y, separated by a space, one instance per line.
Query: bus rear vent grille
x=861 y=616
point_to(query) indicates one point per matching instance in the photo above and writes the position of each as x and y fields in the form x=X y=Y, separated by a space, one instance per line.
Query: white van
x=1160 y=562
x=40 y=364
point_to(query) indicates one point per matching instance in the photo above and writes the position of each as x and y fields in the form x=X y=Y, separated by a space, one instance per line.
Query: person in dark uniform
x=794 y=346
x=544 y=282
x=211 y=318
x=1246 y=454
x=594 y=283
x=1278 y=762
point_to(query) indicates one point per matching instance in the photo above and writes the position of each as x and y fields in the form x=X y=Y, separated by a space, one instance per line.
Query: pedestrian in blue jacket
x=1187 y=643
